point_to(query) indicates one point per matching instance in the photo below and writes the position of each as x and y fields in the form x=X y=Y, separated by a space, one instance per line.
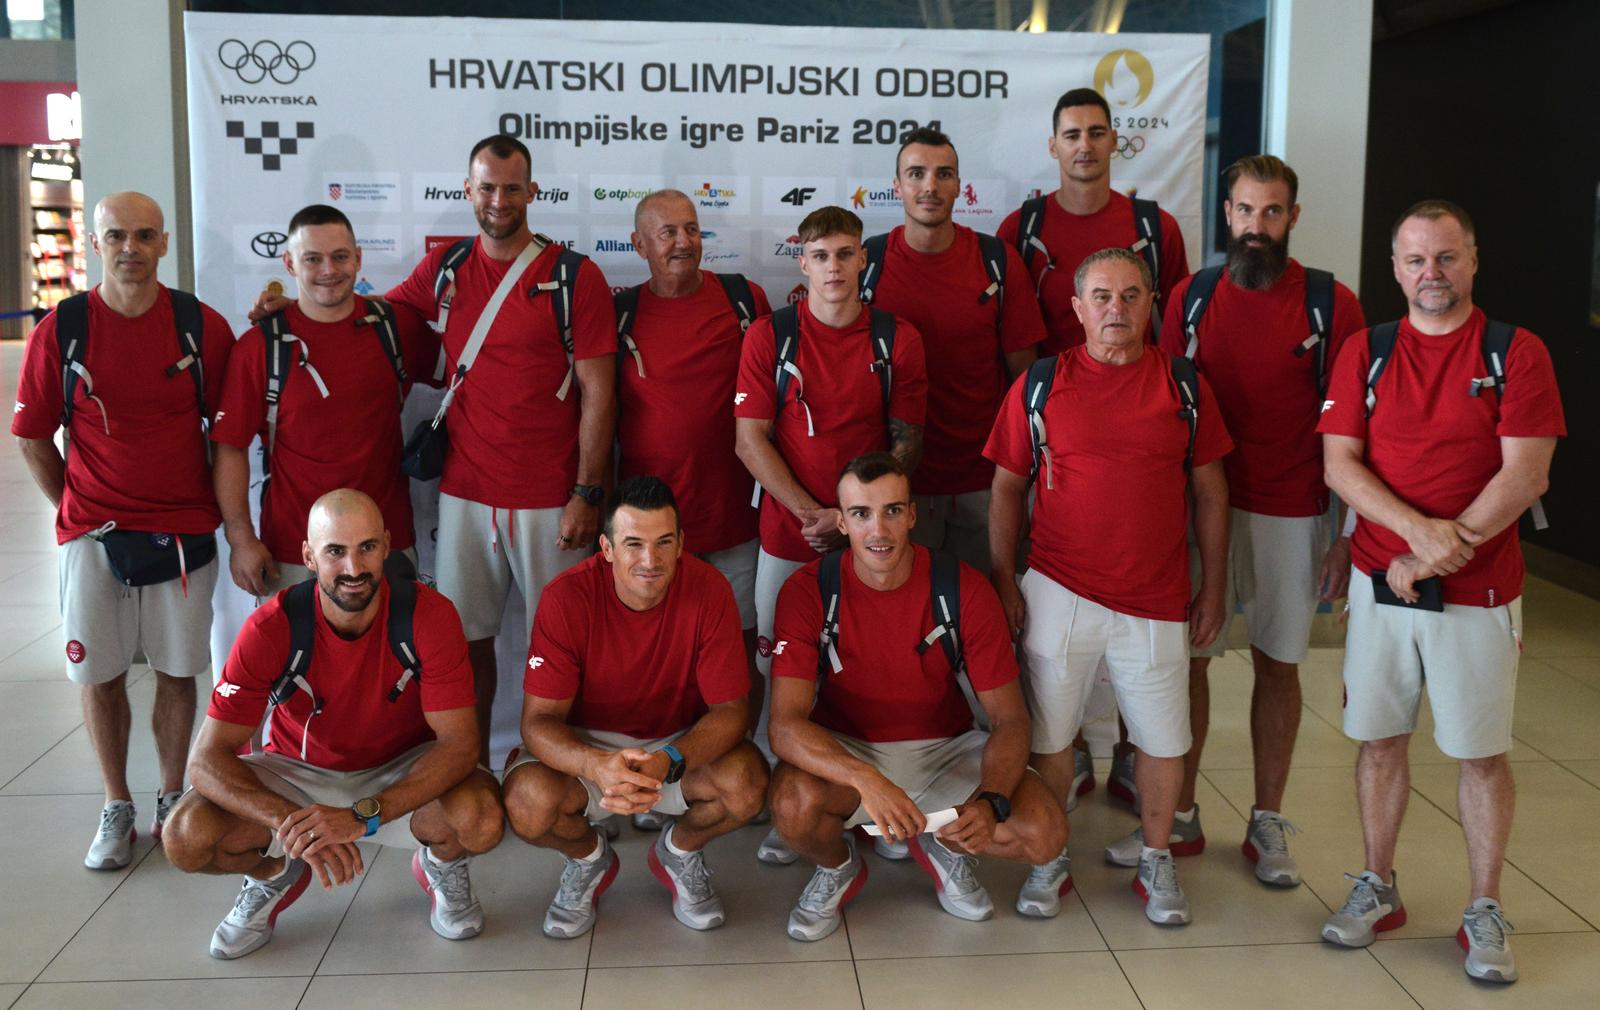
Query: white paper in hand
x=936 y=820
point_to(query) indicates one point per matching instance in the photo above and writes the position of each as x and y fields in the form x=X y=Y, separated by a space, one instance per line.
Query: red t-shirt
x=1070 y=239
x=350 y=439
x=512 y=443
x=887 y=691
x=965 y=346
x=648 y=673
x=1436 y=447
x=674 y=422
x=1268 y=397
x=1112 y=529
x=359 y=727
x=846 y=408
x=138 y=455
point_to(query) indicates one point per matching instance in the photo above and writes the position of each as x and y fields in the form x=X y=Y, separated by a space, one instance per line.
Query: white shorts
x=936 y=774
x=738 y=565
x=1273 y=563
x=1063 y=644
x=771 y=573
x=956 y=524
x=106 y=623
x=306 y=784
x=483 y=551
x=671 y=803
x=1466 y=657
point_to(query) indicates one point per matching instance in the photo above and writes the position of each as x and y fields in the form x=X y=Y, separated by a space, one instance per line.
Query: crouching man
x=372 y=735
x=636 y=701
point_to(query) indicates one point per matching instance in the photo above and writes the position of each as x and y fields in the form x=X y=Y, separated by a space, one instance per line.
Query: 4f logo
x=227 y=690
x=739 y=398
x=1327 y=405
x=777 y=647
x=799 y=195
x=535 y=662
x=218 y=419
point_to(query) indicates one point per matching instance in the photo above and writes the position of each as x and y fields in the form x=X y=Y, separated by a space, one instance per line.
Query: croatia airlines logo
x=535 y=662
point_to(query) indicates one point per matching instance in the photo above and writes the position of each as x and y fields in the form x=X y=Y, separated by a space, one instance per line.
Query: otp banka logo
x=256 y=63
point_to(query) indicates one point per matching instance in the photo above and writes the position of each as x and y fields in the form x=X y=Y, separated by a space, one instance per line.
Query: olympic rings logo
x=1127 y=147
x=254 y=64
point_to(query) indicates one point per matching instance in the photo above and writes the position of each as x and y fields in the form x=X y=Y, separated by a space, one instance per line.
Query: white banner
x=758 y=124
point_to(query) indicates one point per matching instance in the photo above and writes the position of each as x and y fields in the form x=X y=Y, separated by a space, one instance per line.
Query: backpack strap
x=402 y=633
x=562 y=285
x=945 y=578
x=380 y=316
x=883 y=326
x=1147 y=228
x=72 y=340
x=1380 y=348
x=1188 y=383
x=1035 y=391
x=191 y=326
x=627 y=303
x=877 y=247
x=1496 y=346
x=786 y=346
x=1030 y=225
x=444 y=282
x=1319 y=318
x=277 y=344
x=993 y=253
x=297 y=602
x=743 y=300
x=1195 y=299
x=829 y=588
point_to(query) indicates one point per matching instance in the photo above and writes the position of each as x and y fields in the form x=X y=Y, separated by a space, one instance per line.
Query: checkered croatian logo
x=274 y=142
x=335 y=190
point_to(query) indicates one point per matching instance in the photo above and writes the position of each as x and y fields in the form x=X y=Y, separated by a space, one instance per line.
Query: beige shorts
x=1064 y=644
x=1465 y=656
x=956 y=524
x=306 y=784
x=738 y=565
x=672 y=802
x=1273 y=563
x=483 y=551
x=106 y=623
x=936 y=774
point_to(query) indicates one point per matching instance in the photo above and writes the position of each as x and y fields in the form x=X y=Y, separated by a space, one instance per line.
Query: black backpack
x=72 y=339
x=735 y=286
x=1319 y=315
x=1146 y=225
x=991 y=251
x=1495 y=348
x=1036 y=389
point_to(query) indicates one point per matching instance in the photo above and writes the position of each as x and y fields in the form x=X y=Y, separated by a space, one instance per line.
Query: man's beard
x=352 y=599
x=496 y=231
x=1257 y=267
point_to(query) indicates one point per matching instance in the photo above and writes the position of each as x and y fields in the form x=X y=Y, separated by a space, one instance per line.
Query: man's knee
x=105 y=690
x=1489 y=767
x=191 y=831
x=532 y=796
x=1042 y=828
x=1388 y=748
x=475 y=814
x=740 y=779
x=797 y=799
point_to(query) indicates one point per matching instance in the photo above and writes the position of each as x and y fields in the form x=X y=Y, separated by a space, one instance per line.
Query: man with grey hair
x=1107 y=582
x=126 y=371
x=1438 y=430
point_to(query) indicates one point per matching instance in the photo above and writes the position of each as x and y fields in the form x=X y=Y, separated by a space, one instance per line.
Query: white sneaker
x=1483 y=936
x=455 y=913
x=1157 y=883
x=164 y=804
x=112 y=848
x=1040 y=896
x=248 y=926
x=1120 y=783
x=1373 y=907
x=892 y=850
x=1188 y=838
x=576 y=904
x=1082 y=778
x=958 y=891
x=817 y=914
x=774 y=851
x=695 y=903
x=650 y=821
x=1266 y=843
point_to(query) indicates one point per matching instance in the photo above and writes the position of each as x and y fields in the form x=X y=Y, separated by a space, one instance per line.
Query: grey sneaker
x=958 y=890
x=694 y=901
x=455 y=914
x=1483 y=936
x=1040 y=896
x=164 y=804
x=255 y=911
x=112 y=848
x=1157 y=883
x=816 y=914
x=774 y=851
x=573 y=911
x=650 y=821
x=1082 y=778
x=1372 y=908
x=1186 y=840
x=611 y=827
x=1266 y=843
x=896 y=850
x=1120 y=782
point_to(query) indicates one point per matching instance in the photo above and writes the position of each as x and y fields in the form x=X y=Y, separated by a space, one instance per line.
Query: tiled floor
x=72 y=938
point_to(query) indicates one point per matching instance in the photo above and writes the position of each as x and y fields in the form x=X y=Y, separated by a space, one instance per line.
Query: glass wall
x=36 y=19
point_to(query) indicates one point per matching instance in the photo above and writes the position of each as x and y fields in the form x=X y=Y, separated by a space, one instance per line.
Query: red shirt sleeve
x=416 y=291
x=985 y=636
x=419 y=346
x=908 y=399
x=216 y=349
x=37 y=413
x=1211 y=439
x=720 y=666
x=1009 y=444
x=1530 y=406
x=1007 y=232
x=1022 y=322
x=757 y=392
x=1174 y=257
x=594 y=314
x=255 y=660
x=242 y=410
x=763 y=307
x=554 y=664
x=1173 y=338
x=797 y=626
x=1344 y=409
x=1348 y=319
x=447 y=680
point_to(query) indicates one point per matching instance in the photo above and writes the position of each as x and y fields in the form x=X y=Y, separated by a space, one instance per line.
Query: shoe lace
x=961 y=867
x=1163 y=875
x=575 y=880
x=454 y=883
x=1363 y=897
x=115 y=820
x=823 y=886
x=1271 y=832
x=695 y=877
x=255 y=894
x=1488 y=927
x=1045 y=873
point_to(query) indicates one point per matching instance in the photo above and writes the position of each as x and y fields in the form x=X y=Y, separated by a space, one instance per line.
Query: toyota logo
x=254 y=64
x=267 y=244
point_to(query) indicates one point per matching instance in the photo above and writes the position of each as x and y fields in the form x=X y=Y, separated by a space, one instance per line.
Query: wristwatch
x=675 y=769
x=593 y=494
x=999 y=804
x=367 y=811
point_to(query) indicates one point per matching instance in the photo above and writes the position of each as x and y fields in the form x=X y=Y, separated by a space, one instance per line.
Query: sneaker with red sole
x=248 y=926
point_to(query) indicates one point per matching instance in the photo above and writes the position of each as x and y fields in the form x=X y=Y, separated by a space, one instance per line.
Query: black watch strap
x=999 y=804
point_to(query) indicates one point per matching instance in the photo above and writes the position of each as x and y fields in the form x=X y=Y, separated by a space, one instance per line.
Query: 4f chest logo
x=739 y=398
x=535 y=662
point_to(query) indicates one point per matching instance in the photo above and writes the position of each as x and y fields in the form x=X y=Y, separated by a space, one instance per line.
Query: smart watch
x=367 y=811
x=593 y=494
x=674 y=770
x=999 y=804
